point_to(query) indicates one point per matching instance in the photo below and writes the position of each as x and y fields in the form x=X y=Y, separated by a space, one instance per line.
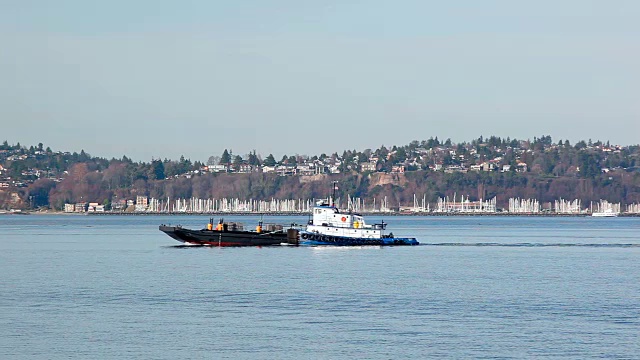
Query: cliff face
x=312 y=178
x=381 y=179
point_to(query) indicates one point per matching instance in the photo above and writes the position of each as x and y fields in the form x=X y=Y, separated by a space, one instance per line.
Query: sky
x=156 y=79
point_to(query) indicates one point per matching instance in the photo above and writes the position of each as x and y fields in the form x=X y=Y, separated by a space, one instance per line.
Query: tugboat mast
x=335 y=187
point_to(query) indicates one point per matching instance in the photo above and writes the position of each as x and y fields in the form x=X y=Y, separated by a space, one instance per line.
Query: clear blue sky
x=162 y=79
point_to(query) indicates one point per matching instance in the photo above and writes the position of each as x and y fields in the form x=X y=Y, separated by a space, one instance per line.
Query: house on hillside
x=218 y=168
x=488 y=166
x=268 y=169
x=142 y=203
x=246 y=169
x=80 y=207
x=397 y=169
x=368 y=166
x=454 y=168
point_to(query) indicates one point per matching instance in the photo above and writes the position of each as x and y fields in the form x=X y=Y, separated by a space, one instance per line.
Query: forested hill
x=35 y=177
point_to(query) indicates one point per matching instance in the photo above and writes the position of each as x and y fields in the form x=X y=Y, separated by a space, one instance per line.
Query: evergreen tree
x=253 y=159
x=83 y=157
x=237 y=161
x=269 y=161
x=157 y=169
x=225 y=159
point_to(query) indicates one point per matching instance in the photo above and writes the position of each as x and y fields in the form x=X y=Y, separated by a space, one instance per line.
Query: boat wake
x=185 y=246
x=479 y=244
x=588 y=245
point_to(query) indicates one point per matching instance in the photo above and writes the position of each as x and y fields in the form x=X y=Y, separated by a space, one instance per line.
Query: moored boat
x=330 y=226
x=606 y=213
x=232 y=234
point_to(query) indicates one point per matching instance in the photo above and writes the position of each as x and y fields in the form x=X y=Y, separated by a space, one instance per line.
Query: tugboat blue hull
x=313 y=239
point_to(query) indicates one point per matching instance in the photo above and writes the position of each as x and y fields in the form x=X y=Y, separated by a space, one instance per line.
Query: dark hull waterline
x=313 y=239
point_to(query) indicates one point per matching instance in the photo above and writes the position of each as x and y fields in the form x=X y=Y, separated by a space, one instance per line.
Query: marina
x=443 y=207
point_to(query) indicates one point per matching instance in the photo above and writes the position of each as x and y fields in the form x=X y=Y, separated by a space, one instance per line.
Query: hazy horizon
x=159 y=80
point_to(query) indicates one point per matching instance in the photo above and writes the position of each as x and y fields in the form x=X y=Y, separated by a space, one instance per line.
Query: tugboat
x=232 y=234
x=330 y=226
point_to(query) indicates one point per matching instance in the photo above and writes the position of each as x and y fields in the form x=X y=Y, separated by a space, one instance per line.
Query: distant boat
x=330 y=226
x=606 y=213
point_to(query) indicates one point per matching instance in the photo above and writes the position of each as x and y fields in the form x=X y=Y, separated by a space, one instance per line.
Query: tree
x=589 y=165
x=225 y=159
x=213 y=160
x=269 y=161
x=183 y=166
x=382 y=152
x=400 y=156
x=38 y=192
x=157 y=169
x=83 y=157
x=237 y=161
x=253 y=159
x=447 y=159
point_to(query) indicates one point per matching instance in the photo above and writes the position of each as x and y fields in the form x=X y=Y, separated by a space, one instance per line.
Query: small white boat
x=606 y=213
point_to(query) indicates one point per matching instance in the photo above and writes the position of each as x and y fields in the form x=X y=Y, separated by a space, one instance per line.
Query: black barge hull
x=230 y=237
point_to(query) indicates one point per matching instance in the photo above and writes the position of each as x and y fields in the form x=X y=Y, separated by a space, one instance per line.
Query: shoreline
x=499 y=214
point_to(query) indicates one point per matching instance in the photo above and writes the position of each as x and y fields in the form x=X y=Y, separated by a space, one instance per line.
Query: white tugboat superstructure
x=330 y=226
x=330 y=221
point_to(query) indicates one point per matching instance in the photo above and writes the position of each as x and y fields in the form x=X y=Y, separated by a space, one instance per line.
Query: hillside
x=484 y=168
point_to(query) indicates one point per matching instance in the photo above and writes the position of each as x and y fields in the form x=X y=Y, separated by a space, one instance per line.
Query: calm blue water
x=80 y=287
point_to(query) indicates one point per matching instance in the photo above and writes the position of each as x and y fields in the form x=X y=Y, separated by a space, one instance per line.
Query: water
x=79 y=287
